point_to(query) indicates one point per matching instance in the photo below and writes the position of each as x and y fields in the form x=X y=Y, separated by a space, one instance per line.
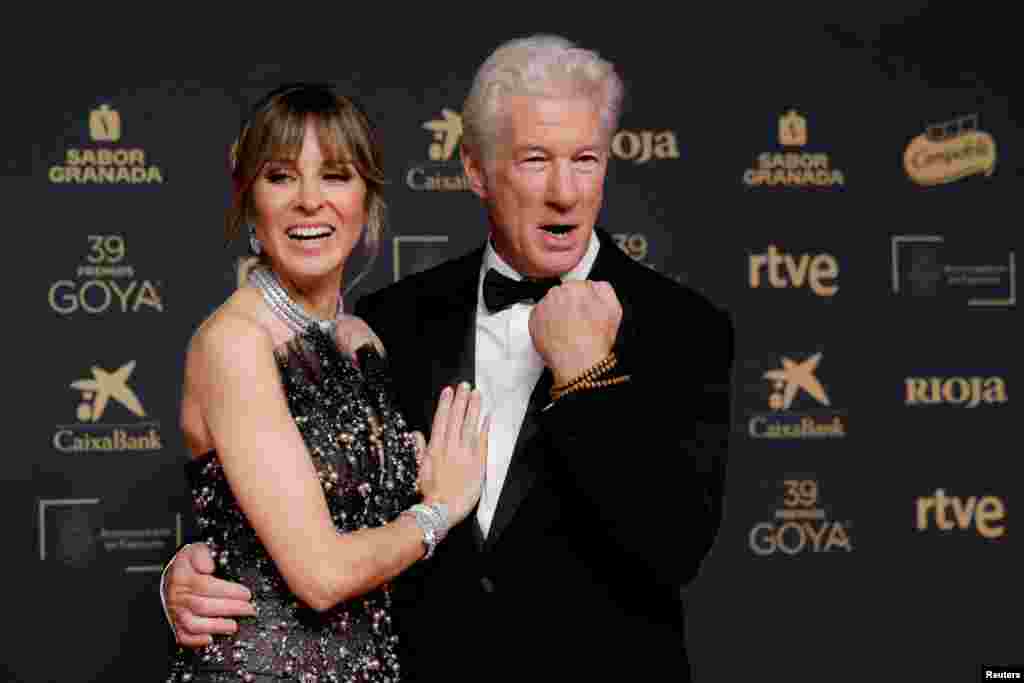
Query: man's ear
x=474 y=168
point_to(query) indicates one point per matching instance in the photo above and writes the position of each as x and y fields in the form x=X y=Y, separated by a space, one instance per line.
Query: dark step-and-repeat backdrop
x=854 y=209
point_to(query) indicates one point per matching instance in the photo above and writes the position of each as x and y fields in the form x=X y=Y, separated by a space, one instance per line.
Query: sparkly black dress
x=365 y=458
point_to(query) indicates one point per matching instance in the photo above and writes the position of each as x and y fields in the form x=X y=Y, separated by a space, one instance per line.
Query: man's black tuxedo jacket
x=612 y=499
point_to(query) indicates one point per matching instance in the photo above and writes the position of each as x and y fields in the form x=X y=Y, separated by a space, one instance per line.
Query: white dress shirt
x=507 y=368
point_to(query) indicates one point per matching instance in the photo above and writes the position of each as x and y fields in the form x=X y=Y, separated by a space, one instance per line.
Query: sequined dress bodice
x=365 y=459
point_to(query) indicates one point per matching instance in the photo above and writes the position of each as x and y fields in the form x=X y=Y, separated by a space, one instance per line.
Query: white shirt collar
x=579 y=272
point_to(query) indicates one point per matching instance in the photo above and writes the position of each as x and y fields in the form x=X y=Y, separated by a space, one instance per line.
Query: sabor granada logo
x=793 y=168
x=103 y=164
x=800 y=525
x=949 y=151
x=799 y=404
x=101 y=391
x=986 y=515
x=967 y=392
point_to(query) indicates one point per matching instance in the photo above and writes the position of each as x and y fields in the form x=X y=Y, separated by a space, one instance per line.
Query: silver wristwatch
x=432 y=521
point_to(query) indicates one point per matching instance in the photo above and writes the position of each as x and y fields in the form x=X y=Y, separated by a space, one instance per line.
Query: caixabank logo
x=443 y=172
x=796 y=163
x=985 y=516
x=786 y=399
x=801 y=524
x=104 y=161
x=950 y=151
x=966 y=272
x=110 y=416
x=105 y=281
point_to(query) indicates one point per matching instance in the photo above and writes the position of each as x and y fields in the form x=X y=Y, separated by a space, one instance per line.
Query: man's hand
x=574 y=327
x=350 y=333
x=199 y=603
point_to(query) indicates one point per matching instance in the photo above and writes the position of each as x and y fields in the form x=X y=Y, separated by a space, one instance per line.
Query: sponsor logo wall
x=867 y=262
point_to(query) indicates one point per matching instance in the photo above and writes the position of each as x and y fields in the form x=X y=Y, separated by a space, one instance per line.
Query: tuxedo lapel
x=449 y=323
x=613 y=266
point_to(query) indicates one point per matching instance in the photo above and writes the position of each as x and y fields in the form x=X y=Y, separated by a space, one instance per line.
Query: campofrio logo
x=949 y=151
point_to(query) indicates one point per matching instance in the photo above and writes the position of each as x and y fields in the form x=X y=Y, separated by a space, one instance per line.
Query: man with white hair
x=602 y=497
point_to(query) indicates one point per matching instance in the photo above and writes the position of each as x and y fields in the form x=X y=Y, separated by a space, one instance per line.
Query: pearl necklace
x=282 y=305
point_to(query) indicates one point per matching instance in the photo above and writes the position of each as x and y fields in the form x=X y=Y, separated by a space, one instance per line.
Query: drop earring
x=254 y=243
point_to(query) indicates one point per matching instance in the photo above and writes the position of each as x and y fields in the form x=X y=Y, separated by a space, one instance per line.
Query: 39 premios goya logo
x=797 y=163
x=109 y=415
x=103 y=161
x=443 y=171
x=105 y=282
x=800 y=525
x=786 y=398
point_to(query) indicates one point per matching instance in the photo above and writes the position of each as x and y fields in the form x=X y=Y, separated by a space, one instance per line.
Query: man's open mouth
x=558 y=228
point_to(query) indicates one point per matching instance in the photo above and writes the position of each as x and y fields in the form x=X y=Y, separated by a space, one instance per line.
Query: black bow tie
x=500 y=292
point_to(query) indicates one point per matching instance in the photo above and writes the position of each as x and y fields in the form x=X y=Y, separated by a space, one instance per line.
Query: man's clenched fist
x=574 y=327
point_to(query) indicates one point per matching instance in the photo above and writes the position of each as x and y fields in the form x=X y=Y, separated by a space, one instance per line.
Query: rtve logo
x=819 y=272
x=984 y=515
